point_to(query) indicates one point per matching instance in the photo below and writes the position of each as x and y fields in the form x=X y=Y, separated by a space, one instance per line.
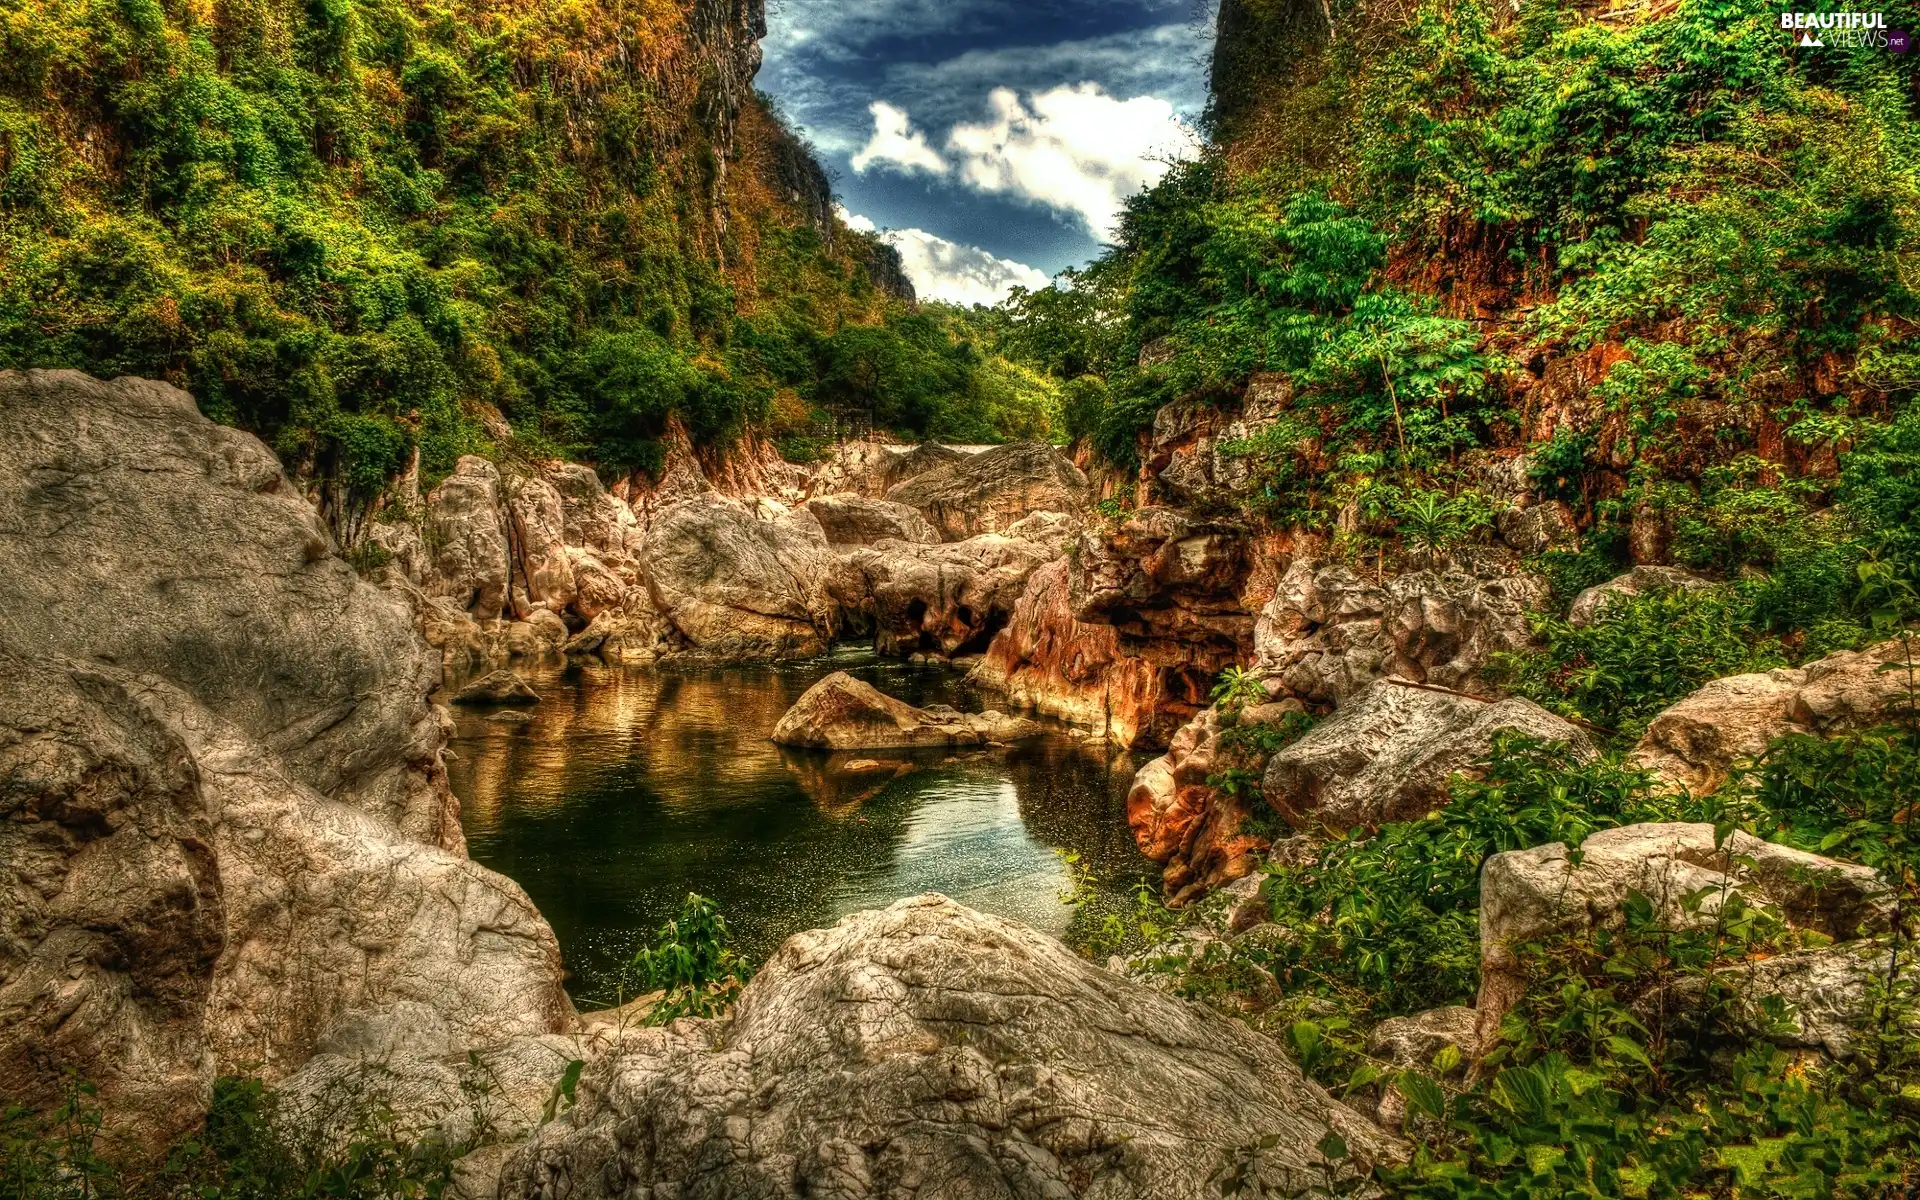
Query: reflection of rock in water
x=630 y=787
x=838 y=783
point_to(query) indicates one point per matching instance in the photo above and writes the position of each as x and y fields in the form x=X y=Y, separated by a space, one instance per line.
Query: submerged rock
x=498 y=687
x=927 y=1050
x=844 y=713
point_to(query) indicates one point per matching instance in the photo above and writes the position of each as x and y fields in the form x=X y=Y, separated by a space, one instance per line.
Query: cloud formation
x=944 y=270
x=1072 y=148
x=897 y=144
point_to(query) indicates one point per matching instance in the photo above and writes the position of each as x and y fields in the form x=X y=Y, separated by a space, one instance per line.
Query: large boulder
x=855 y=520
x=1527 y=896
x=844 y=713
x=1181 y=820
x=1328 y=632
x=467 y=532
x=1696 y=743
x=945 y=597
x=1390 y=753
x=988 y=491
x=927 y=1050
x=592 y=518
x=227 y=822
x=741 y=582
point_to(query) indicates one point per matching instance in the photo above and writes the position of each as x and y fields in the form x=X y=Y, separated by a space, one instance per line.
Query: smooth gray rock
x=1390 y=753
x=739 y=582
x=467 y=530
x=991 y=490
x=929 y=1051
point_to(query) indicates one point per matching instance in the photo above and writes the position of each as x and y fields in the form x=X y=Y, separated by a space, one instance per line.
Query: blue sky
x=992 y=139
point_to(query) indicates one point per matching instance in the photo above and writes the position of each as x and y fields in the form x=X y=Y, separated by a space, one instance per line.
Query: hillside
x=360 y=227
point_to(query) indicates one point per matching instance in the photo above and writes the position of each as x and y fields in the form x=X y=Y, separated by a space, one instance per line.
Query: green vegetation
x=691 y=965
x=357 y=227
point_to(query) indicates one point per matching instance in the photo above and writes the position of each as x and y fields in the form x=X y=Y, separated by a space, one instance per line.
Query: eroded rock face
x=1589 y=604
x=869 y=468
x=844 y=713
x=947 y=597
x=1390 y=752
x=741 y=584
x=1174 y=589
x=1527 y=895
x=855 y=520
x=989 y=491
x=926 y=1050
x=1329 y=632
x=467 y=516
x=1191 y=450
x=1695 y=743
x=1046 y=660
x=540 y=540
x=227 y=823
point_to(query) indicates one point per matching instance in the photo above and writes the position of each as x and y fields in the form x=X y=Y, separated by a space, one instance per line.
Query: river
x=625 y=788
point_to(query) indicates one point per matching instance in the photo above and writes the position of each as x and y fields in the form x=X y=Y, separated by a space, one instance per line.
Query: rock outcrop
x=855 y=520
x=1328 y=633
x=844 y=713
x=945 y=597
x=1529 y=895
x=741 y=583
x=929 y=1050
x=1390 y=753
x=1047 y=660
x=466 y=515
x=991 y=490
x=1191 y=452
x=228 y=825
x=869 y=468
x=1695 y=743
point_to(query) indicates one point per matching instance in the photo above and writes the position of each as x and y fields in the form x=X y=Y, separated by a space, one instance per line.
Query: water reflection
x=628 y=788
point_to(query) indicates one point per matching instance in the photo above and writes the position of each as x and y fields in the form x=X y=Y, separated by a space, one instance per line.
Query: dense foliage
x=357 y=226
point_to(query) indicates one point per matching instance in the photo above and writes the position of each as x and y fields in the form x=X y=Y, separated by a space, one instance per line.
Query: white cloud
x=944 y=270
x=897 y=144
x=1073 y=148
x=853 y=221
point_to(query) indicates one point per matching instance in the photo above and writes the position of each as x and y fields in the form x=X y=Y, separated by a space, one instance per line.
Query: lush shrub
x=1641 y=654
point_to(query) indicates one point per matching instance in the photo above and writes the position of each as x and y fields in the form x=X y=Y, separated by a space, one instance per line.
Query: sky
x=992 y=141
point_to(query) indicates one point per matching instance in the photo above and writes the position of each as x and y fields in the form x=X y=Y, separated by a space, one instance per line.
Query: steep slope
x=361 y=226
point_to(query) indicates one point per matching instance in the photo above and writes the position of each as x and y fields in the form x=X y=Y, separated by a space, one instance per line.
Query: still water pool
x=630 y=787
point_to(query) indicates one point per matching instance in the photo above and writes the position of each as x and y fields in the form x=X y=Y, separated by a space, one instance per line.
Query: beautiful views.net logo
x=1851 y=30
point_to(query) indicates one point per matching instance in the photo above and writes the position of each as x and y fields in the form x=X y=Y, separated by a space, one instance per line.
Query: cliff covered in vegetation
x=361 y=227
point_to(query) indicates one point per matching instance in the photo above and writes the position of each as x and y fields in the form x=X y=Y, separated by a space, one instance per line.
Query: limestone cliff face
x=226 y=822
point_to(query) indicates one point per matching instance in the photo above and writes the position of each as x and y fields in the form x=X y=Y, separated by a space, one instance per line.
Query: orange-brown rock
x=1180 y=820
